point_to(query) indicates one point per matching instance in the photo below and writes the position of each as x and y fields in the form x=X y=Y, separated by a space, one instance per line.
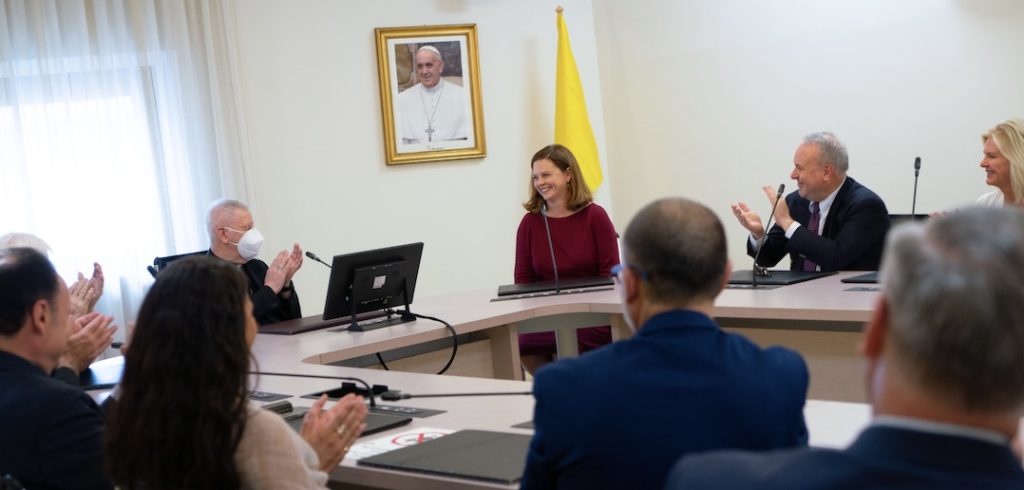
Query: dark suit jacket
x=852 y=236
x=268 y=307
x=881 y=458
x=621 y=415
x=49 y=431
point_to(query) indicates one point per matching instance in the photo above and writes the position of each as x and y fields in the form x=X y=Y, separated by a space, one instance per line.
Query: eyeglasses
x=617 y=269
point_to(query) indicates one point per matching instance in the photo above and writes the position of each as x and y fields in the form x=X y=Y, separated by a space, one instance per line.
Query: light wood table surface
x=822 y=305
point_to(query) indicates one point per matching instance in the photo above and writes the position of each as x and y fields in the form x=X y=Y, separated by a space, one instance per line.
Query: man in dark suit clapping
x=49 y=431
x=830 y=223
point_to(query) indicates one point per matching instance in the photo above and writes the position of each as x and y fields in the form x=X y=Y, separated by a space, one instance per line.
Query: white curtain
x=120 y=120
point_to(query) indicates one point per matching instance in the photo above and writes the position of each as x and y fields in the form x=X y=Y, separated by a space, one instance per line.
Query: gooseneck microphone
x=373 y=402
x=314 y=257
x=393 y=395
x=551 y=246
x=758 y=270
x=913 y=203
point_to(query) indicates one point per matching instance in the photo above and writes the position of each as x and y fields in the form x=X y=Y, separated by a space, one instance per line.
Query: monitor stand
x=404 y=316
x=391 y=319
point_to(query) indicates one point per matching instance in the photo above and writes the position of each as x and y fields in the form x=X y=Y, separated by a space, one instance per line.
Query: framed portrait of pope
x=430 y=93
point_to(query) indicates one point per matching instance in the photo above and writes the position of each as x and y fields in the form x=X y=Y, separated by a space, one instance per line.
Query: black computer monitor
x=373 y=280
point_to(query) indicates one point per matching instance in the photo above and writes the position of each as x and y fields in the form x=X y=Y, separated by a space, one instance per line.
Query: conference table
x=830 y=423
x=824 y=305
x=821 y=305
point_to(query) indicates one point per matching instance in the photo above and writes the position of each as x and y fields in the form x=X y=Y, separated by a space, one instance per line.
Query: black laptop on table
x=869 y=278
x=777 y=278
x=475 y=454
x=315 y=322
x=565 y=284
x=375 y=422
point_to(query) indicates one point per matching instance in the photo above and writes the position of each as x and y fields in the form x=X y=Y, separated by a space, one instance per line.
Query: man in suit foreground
x=830 y=223
x=619 y=416
x=945 y=352
x=49 y=431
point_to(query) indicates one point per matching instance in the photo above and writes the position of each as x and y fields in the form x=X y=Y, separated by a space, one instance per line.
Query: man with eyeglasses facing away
x=621 y=415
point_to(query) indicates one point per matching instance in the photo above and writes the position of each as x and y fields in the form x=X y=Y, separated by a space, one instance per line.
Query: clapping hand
x=86 y=292
x=282 y=268
x=782 y=216
x=749 y=220
x=294 y=262
x=332 y=432
x=90 y=336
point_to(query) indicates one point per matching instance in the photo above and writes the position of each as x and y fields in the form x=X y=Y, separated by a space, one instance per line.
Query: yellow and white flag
x=572 y=125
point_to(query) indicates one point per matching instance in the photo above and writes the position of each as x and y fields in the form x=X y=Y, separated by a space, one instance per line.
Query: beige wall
x=708 y=99
x=701 y=98
x=309 y=75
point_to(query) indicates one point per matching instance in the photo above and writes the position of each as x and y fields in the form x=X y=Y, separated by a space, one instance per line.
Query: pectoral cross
x=430 y=133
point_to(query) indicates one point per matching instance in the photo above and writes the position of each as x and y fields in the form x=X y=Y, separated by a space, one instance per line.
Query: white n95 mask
x=250 y=243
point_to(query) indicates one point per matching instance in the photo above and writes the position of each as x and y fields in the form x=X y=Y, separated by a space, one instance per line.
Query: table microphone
x=393 y=395
x=913 y=203
x=373 y=403
x=314 y=257
x=551 y=246
x=758 y=270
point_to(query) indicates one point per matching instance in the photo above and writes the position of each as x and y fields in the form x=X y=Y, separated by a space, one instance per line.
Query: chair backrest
x=160 y=262
x=9 y=483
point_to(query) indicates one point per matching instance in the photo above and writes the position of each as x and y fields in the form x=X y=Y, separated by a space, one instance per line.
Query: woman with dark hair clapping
x=183 y=417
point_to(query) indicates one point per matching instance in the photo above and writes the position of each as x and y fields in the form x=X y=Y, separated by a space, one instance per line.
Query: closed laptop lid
x=536 y=287
x=777 y=278
x=375 y=422
x=869 y=278
x=474 y=454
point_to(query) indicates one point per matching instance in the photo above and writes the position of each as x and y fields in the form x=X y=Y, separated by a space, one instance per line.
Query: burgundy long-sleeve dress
x=585 y=246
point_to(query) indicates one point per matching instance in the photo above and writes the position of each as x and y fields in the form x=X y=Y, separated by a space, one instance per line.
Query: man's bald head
x=222 y=213
x=679 y=245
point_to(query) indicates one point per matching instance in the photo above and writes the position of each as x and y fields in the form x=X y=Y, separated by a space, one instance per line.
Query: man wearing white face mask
x=234 y=238
x=679 y=385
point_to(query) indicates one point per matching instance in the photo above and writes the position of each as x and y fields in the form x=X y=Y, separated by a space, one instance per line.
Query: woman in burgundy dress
x=583 y=237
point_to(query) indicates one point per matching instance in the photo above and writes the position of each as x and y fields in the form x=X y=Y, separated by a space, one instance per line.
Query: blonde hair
x=579 y=193
x=1009 y=138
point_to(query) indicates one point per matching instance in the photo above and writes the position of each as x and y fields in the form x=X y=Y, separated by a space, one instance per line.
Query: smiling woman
x=1003 y=162
x=582 y=240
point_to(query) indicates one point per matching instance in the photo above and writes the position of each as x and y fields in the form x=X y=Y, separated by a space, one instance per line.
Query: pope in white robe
x=433 y=110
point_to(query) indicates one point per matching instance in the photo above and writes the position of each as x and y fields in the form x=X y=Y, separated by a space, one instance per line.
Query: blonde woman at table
x=1003 y=162
x=183 y=418
x=582 y=235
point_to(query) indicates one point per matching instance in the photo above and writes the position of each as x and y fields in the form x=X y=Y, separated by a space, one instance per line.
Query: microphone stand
x=758 y=270
x=398 y=395
x=913 y=203
x=369 y=389
x=551 y=246
x=314 y=257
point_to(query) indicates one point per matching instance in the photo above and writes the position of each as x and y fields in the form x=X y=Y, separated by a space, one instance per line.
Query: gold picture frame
x=431 y=110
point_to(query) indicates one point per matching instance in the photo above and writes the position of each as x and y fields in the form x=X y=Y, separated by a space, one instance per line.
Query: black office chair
x=160 y=262
x=9 y=483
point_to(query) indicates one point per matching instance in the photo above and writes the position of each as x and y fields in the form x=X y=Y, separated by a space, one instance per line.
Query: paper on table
x=391 y=442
